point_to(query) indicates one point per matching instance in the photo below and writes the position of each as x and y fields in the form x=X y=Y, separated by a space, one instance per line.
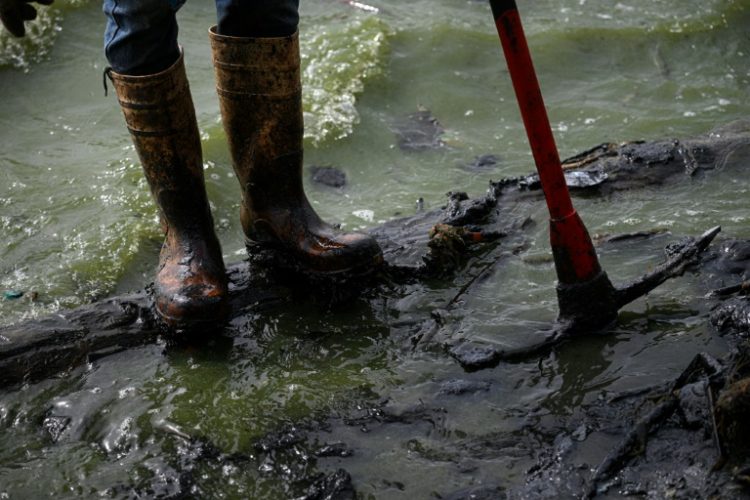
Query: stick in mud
x=634 y=441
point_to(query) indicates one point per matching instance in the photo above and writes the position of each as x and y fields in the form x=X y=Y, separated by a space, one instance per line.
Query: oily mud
x=674 y=437
x=419 y=131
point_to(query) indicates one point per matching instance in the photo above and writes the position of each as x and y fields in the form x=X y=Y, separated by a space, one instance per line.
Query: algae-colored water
x=77 y=224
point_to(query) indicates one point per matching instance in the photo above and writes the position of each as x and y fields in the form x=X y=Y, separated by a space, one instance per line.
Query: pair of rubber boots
x=258 y=82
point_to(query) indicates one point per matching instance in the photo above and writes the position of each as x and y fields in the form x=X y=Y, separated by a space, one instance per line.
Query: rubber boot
x=258 y=82
x=190 y=289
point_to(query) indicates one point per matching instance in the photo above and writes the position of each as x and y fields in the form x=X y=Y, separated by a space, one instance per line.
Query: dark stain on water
x=328 y=176
x=482 y=163
x=419 y=131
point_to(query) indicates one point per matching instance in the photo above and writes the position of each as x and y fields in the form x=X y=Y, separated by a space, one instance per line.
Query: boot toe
x=355 y=253
x=192 y=306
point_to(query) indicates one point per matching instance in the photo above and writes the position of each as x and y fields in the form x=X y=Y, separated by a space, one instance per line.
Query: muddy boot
x=258 y=82
x=190 y=290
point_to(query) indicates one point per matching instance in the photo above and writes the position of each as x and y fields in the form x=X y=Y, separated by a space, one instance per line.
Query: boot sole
x=176 y=325
x=293 y=264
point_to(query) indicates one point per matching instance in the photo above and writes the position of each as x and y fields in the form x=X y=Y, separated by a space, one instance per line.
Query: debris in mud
x=638 y=235
x=458 y=213
x=634 y=442
x=739 y=289
x=733 y=419
x=582 y=180
x=604 y=150
x=289 y=453
x=728 y=269
x=667 y=445
x=419 y=204
x=55 y=426
x=448 y=245
x=328 y=176
x=733 y=257
x=293 y=453
x=575 y=179
x=419 y=131
x=687 y=440
x=651 y=154
x=538 y=259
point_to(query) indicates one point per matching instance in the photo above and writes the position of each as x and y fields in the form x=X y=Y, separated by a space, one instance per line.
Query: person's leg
x=141 y=35
x=257 y=18
x=258 y=82
x=190 y=288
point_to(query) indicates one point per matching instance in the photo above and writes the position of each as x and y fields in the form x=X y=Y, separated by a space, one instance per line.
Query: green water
x=77 y=224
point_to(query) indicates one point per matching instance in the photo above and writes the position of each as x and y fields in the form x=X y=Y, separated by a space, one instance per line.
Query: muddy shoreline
x=675 y=418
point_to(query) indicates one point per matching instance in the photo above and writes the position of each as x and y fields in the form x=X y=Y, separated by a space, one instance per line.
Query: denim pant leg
x=141 y=35
x=257 y=18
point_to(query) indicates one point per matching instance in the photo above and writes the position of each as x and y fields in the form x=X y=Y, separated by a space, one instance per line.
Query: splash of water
x=81 y=262
x=336 y=62
x=21 y=53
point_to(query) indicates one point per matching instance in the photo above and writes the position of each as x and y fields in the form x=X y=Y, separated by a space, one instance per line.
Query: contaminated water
x=77 y=224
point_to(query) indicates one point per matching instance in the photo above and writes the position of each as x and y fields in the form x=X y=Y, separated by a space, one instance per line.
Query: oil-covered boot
x=258 y=82
x=190 y=289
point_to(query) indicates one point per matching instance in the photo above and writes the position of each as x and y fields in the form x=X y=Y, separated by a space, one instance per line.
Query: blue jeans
x=141 y=35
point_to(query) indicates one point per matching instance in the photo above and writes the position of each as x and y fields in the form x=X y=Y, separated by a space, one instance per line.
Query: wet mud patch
x=659 y=442
x=684 y=438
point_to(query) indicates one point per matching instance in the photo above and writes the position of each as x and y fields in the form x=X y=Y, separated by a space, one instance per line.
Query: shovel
x=587 y=299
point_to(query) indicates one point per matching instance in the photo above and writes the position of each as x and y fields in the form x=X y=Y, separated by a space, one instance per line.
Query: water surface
x=77 y=224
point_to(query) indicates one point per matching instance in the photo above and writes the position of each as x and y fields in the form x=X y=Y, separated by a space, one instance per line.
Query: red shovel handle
x=575 y=257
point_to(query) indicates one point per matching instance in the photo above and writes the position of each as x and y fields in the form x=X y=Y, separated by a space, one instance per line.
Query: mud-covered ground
x=677 y=437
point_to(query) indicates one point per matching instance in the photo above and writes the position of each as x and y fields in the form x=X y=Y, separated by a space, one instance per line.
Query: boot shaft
x=258 y=83
x=160 y=116
x=259 y=66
